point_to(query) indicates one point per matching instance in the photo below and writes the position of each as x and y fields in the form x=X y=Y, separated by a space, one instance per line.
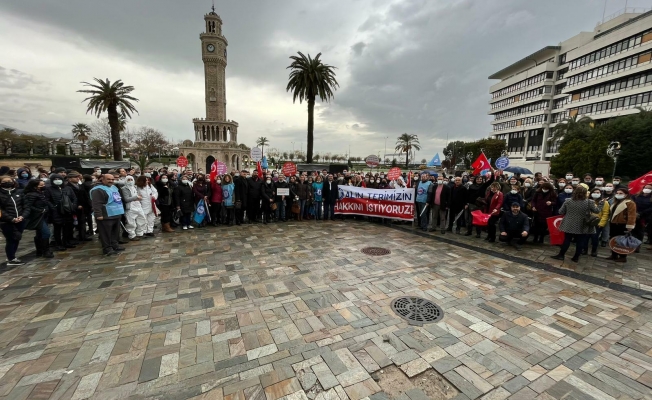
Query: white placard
x=256 y=154
x=283 y=191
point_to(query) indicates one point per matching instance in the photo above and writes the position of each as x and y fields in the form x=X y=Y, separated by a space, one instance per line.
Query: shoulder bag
x=65 y=207
x=590 y=220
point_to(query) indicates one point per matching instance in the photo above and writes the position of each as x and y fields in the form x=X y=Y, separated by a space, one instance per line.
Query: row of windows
x=610 y=68
x=561 y=73
x=523 y=110
x=616 y=86
x=610 y=50
x=558 y=117
x=520 y=85
x=520 y=97
x=609 y=105
x=536 y=119
x=559 y=88
x=559 y=103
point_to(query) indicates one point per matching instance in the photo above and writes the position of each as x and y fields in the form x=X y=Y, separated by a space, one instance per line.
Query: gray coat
x=574 y=212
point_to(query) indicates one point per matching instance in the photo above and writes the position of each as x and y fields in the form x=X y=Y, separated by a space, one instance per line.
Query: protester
x=543 y=207
x=254 y=186
x=439 y=201
x=216 y=196
x=330 y=194
x=148 y=196
x=136 y=223
x=475 y=201
x=63 y=204
x=228 y=190
x=165 y=201
x=240 y=195
x=457 y=205
x=317 y=190
x=603 y=206
x=184 y=201
x=494 y=204
x=514 y=225
x=643 y=201
x=36 y=209
x=623 y=220
x=268 y=197
x=573 y=225
x=108 y=209
x=12 y=218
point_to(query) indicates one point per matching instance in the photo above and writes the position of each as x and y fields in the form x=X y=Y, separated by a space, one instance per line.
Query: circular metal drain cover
x=376 y=251
x=417 y=311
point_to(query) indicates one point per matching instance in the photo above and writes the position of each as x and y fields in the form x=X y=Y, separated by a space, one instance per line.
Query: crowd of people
x=65 y=208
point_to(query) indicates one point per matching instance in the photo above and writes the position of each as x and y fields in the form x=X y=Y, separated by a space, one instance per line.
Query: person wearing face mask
x=603 y=206
x=543 y=207
x=136 y=221
x=643 y=201
x=574 y=211
x=24 y=176
x=457 y=204
x=423 y=190
x=588 y=181
x=63 y=204
x=475 y=201
x=565 y=195
x=330 y=195
x=165 y=202
x=149 y=195
x=623 y=219
x=301 y=190
x=87 y=186
x=254 y=185
x=617 y=181
x=268 y=197
x=83 y=204
x=599 y=182
x=216 y=197
x=184 y=200
x=36 y=210
x=201 y=191
x=228 y=190
x=561 y=185
x=528 y=191
x=514 y=196
x=281 y=200
x=439 y=201
x=317 y=190
x=241 y=190
x=12 y=218
x=494 y=204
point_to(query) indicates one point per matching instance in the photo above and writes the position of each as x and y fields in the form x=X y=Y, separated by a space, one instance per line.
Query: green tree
x=142 y=161
x=406 y=143
x=394 y=163
x=262 y=142
x=571 y=129
x=114 y=98
x=148 y=141
x=96 y=145
x=81 y=131
x=309 y=78
x=316 y=157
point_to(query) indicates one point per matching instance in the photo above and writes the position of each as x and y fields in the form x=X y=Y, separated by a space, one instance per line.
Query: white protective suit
x=136 y=221
x=148 y=193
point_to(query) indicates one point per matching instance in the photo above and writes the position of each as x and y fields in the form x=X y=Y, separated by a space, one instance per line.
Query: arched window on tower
x=203 y=133
x=229 y=137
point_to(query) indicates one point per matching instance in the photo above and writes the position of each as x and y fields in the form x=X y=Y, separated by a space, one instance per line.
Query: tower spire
x=213 y=7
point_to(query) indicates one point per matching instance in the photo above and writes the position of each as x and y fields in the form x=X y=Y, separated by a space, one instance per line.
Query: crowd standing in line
x=65 y=208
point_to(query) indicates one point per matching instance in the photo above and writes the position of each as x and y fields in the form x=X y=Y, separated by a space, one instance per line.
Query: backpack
x=65 y=207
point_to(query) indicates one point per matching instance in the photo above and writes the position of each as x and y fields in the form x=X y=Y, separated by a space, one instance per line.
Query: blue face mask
x=24 y=176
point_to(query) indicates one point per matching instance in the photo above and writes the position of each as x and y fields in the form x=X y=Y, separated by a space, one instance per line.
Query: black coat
x=240 y=190
x=280 y=185
x=35 y=204
x=253 y=187
x=331 y=193
x=458 y=197
x=165 y=194
x=11 y=204
x=184 y=198
x=267 y=192
x=54 y=194
x=444 y=198
x=80 y=194
x=514 y=223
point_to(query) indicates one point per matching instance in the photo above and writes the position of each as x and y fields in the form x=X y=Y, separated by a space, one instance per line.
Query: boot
x=38 y=245
x=45 y=247
x=167 y=228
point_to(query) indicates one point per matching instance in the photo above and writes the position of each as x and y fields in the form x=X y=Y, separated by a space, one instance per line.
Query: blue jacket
x=511 y=199
x=227 y=194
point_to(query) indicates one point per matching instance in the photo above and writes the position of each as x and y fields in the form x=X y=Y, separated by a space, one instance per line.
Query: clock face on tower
x=210 y=48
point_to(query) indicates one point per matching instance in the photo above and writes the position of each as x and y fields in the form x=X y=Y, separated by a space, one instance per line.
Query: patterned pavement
x=296 y=311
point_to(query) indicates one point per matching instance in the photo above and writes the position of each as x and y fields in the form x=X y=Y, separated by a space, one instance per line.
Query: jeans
x=491 y=227
x=318 y=209
x=329 y=210
x=424 y=217
x=185 y=219
x=9 y=230
x=280 y=210
x=580 y=243
x=595 y=239
x=513 y=235
x=43 y=231
x=302 y=203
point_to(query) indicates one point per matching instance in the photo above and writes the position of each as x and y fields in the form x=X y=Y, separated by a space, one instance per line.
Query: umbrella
x=518 y=170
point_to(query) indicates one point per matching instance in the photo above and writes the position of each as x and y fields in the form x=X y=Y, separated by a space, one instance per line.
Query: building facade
x=601 y=74
x=215 y=137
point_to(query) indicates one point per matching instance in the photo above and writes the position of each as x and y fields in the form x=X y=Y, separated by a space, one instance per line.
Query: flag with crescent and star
x=637 y=185
x=480 y=164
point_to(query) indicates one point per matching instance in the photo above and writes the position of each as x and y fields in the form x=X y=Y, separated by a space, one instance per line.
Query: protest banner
x=383 y=203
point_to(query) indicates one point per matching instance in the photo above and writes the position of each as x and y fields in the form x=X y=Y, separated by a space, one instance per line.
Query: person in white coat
x=136 y=222
x=148 y=195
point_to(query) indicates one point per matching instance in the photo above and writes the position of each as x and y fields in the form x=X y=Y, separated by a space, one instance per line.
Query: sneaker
x=15 y=263
x=185 y=228
x=191 y=227
x=119 y=248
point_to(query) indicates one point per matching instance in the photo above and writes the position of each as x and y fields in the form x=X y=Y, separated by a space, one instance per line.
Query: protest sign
x=384 y=203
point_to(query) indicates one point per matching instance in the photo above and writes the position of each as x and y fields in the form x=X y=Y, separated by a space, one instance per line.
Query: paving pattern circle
x=417 y=311
x=376 y=251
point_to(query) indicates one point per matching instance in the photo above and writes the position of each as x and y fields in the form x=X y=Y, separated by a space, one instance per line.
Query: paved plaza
x=297 y=311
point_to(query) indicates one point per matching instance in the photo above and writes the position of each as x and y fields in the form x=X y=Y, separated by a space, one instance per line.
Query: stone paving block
x=463 y=385
x=362 y=389
x=415 y=367
x=283 y=388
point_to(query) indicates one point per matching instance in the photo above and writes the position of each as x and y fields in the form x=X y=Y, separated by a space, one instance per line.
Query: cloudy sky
x=415 y=66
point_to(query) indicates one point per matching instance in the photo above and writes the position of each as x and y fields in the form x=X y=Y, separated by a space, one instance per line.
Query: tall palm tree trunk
x=114 y=123
x=407 y=160
x=311 y=128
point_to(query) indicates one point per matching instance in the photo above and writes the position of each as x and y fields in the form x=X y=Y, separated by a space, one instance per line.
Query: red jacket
x=495 y=202
x=216 y=193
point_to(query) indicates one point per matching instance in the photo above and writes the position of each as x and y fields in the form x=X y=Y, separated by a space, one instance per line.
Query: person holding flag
x=423 y=189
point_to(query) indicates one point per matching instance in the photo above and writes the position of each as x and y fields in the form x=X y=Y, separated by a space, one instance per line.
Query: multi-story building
x=601 y=74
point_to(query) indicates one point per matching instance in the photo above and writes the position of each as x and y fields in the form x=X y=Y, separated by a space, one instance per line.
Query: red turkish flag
x=480 y=164
x=259 y=168
x=556 y=236
x=637 y=185
x=409 y=179
x=213 y=174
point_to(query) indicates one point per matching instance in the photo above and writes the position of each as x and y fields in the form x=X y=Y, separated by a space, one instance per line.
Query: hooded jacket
x=22 y=182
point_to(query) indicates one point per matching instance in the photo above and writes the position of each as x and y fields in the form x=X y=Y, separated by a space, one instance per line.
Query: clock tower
x=213 y=45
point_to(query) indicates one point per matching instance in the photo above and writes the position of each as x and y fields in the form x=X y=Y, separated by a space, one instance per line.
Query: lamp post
x=613 y=150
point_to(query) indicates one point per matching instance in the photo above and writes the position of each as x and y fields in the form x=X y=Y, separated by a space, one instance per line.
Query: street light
x=613 y=150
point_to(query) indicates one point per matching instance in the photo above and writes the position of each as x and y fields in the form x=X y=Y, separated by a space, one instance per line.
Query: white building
x=601 y=74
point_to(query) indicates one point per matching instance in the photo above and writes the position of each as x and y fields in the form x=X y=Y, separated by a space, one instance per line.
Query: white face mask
x=218 y=181
x=236 y=174
x=147 y=174
x=46 y=179
x=129 y=183
x=569 y=177
x=185 y=182
x=545 y=190
x=616 y=182
x=269 y=181
x=575 y=183
x=372 y=181
x=599 y=183
x=513 y=192
x=596 y=195
x=647 y=191
x=445 y=182
x=569 y=191
x=620 y=196
x=440 y=182
x=608 y=189
x=528 y=184
x=57 y=182
x=164 y=180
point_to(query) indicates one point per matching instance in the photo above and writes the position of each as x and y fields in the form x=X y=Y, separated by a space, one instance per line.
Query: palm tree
x=115 y=99
x=569 y=126
x=406 y=143
x=81 y=131
x=311 y=78
x=316 y=157
x=262 y=141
